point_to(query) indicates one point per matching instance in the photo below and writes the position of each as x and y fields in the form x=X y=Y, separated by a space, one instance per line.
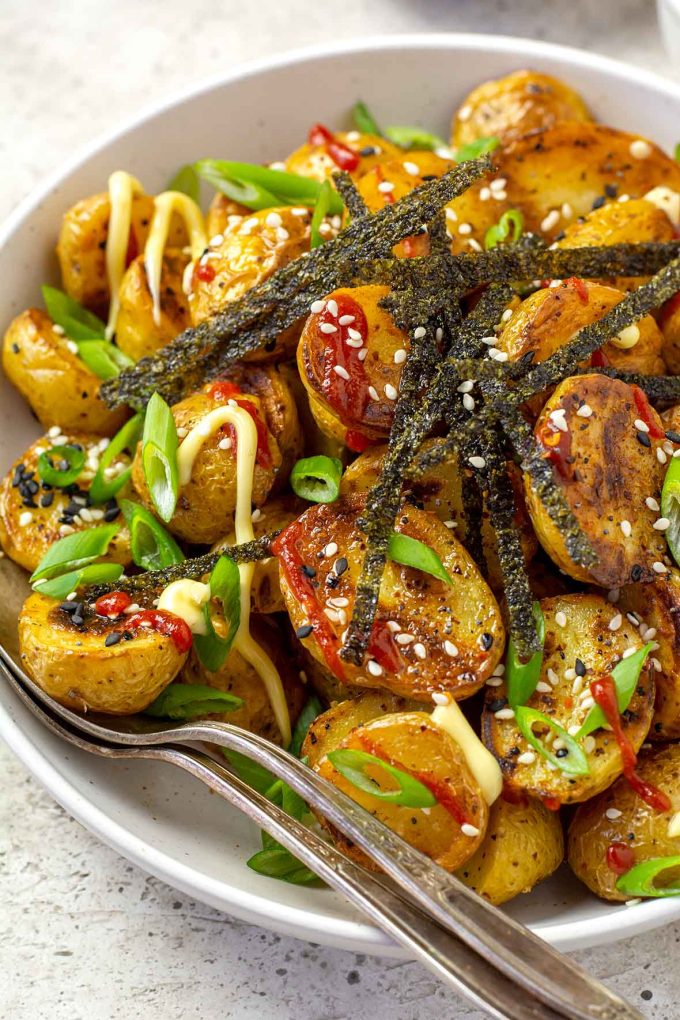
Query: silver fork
x=506 y=951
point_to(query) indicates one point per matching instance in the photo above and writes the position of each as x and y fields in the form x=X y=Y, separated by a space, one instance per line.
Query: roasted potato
x=352 y=370
x=239 y=678
x=606 y=829
x=245 y=253
x=331 y=727
x=137 y=333
x=450 y=831
x=265 y=591
x=206 y=503
x=429 y=635
x=312 y=160
x=578 y=629
x=606 y=467
x=81 y=248
x=523 y=844
x=439 y=490
x=74 y=664
x=223 y=212
x=657 y=607
x=669 y=323
x=518 y=104
x=34 y=515
x=44 y=366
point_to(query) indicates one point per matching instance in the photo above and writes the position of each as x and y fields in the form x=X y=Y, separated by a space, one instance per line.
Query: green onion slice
x=103 y=358
x=159 y=456
x=364 y=120
x=225 y=585
x=61 y=465
x=103 y=489
x=74 y=551
x=353 y=764
x=414 y=138
x=676 y=152
x=153 y=548
x=277 y=862
x=522 y=677
x=187 y=181
x=321 y=208
x=510 y=225
x=411 y=552
x=187 y=701
x=76 y=321
x=317 y=478
x=670 y=507
x=625 y=675
x=575 y=763
x=95 y=573
x=258 y=187
x=639 y=881
x=480 y=147
x=310 y=710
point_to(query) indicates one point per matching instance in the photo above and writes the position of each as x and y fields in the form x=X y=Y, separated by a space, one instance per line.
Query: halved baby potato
x=522 y=846
x=517 y=104
x=74 y=664
x=451 y=829
x=584 y=639
x=223 y=212
x=669 y=323
x=606 y=465
x=619 y=827
x=61 y=390
x=312 y=160
x=429 y=635
x=34 y=515
x=137 y=332
x=350 y=360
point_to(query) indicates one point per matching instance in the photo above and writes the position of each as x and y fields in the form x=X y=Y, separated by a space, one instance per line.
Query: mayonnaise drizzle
x=667 y=200
x=123 y=187
x=165 y=205
x=246 y=452
x=481 y=762
x=185 y=598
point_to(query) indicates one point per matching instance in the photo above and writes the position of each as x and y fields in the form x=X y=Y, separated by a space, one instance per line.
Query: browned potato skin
x=249 y=253
x=77 y=669
x=591 y=832
x=206 y=504
x=265 y=591
x=425 y=607
x=588 y=637
x=222 y=213
x=137 y=334
x=635 y=221
x=27 y=545
x=413 y=743
x=523 y=845
x=313 y=161
x=658 y=605
x=606 y=482
x=439 y=490
x=81 y=248
x=570 y=163
x=58 y=385
x=315 y=359
x=669 y=322
x=331 y=727
x=315 y=442
x=515 y=105
x=238 y=677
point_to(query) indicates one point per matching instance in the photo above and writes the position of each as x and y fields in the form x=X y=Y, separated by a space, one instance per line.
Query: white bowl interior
x=155 y=816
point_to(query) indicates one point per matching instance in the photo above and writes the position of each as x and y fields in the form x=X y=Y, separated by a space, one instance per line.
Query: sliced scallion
x=364 y=120
x=509 y=226
x=152 y=547
x=102 y=488
x=95 y=573
x=225 y=585
x=574 y=762
x=103 y=358
x=353 y=765
x=258 y=187
x=159 y=457
x=521 y=677
x=407 y=137
x=411 y=552
x=317 y=478
x=321 y=209
x=625 y=675
x=480 y=147
x=77 y=322
x=187 y=701
x=639 y=881
x=60 y=466
x=187 y=181
x=74 y=551
x=670 y=507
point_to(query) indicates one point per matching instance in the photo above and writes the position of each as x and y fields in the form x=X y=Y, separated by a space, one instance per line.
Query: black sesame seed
x=562 y=753
x=636 y=572
x=47 y=499
x=497 y=704
x=599 y=202
x=77 y=620
x=32 y=487
x=368 y=150
x=340 y=565
x=486 y=641
x=128 y=635
x=643 y=438
x=580 y=668
x=65 y=519
x=332 y=580
x=29 y=502
x=111 y=514
x=113 y=638
x=17 y=476
x=673 y=436
x=611 y=190
x=15 y=348
x=308 y=571
x=70 y=606
x=304 y=631
x=429 y=177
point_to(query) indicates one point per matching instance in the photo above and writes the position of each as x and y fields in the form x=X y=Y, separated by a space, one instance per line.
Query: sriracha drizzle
x=341 y=154
x=620 y=857
x=164 y=623
x=113 y=604
x=349 y=397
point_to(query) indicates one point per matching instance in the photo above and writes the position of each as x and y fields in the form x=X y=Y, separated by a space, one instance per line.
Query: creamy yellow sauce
x=481 y=762
x=186 y=598
x=667 y=200
x=123 y=187
x=674 y=825
x=165 y=205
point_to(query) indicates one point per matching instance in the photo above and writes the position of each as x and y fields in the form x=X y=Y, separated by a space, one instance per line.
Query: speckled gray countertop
x=84 y=934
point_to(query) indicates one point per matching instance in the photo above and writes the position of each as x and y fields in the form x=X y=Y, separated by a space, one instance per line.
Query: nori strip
x=473 y=511
x=195 y=568
x=659 y=388
x=349 y=193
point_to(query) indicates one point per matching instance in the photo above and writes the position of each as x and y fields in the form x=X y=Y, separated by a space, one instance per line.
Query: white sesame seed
x=465 y=112
x=332 y=615
x=626 y=337
x=342 y=372
x=354 y=334
x=640 y=149
x=420 y=650
x=66 y=529
x=450 y=524
x=656 y=664
x=374 y=668
x=450 y=649
x=494 y=681
x=393 y=626
x=468 y=402
x=626 y=528
x=419 y=332
x=584 y=411
x=477 y=462
x=553 y=677
x=527 y=758
x=469 y=830
x=317 y=306
x=634 y=902
x=498 y=184
x=390 y=392
x=86 y=515
x=256 y=514
x=332 y=307
x=225 y=444
x=328 y=327
x=624 y=198
x=273 y=220
x=404 y=639
x=451 y=214
x=499 y=670
x=331 y=549
x=587 y=702
x=613 y=813
x=386 y=187
x=59 y=330
x=569 y=673
x=649 y=634
x=561 y=619
x=652 y=504
x=25 y=518
x=558 y=744
x=373 y=393
x=641 y=425
x=558 y=418
x=400 y=356
x=551 y=220
x=411 y=168
x=662 y=524
x=504 y=713
x=542 y=687
x=465 y=228
x=589 y=744
x=362 y=354
x=577 y=686
x=507 y=315
x=615 y=622
x=466 y=387
x=497 y=355
x=73 y=347
x=484 y=194
x=346 y=320
x=659 y=568
x=54 y=430
x=628 y=652
x=567 y=211
x=338 y=602
x=134 y=607
x=216 y=240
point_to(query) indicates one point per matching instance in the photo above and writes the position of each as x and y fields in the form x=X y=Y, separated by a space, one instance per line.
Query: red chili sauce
x=223 y=391
x=341 y=154
x=557 y=445
x=645 y=413
x=620 y=857
x=164 y=623
x=113 y=604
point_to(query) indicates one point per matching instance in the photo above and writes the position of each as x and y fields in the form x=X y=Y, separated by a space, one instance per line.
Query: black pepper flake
x=497 y=704
x=580 y=668
x=15 y=348
x=486 y=641
x=611 y=190
x=332 y=580
x=113 y=638
x=304 y=631
x=368 y=150
x=308 y=571
x=599 y=202
x=643 y=438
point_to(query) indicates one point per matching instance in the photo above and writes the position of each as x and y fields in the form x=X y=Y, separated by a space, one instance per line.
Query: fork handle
x=442 y=953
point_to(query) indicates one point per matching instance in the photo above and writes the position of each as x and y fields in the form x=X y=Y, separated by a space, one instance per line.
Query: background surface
x=83 y=934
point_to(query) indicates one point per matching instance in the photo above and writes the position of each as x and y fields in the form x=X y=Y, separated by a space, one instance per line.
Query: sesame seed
x=659 y=568
x=390 y=392
x=59 y=330
x=626 y=528
x=55 y=430
x=498 y=184
x=551 y=220
x=440 y=698
x=465 y=228
x=420 y=650
x=373 y=393
x=641 y=425
x=66 y=529
x=328 y=327
x=465 y=112
x=273 y=220
x=354 y=334
x=362 y=354
x=497 y=355
x=469 y=830
x=25 y=518
x=404 y=639
x=484 y=194
x=338 y=602
x=450 y=649
x=507 y=315
x=386 y=187
x=504 y=713
x=527 y=758
x=468 y=402
x=499 y=670
x=419 y=332
x=332 y=615
x=225 y=444
x=628 y=652
x=615 y=622
x=374 y=668
x=304 y=631
x=634 y=902
x=477 y=462
x=216 y=240
x=393 y=626
x=332 y=307
x=662 y=524
x=589 y=744
x=466 y=387
x=542 y=687
x=553 y=677
x=558 y=418
x=354 y=343
x=411 y=168
x=331 y=549
x=567 y=211
x=494 y=681
x=584 y=411
x=342 y=372
x=317 y=306
x=649 y=634
x=652 y=504
x=400 y=356
x=256 y=514
x=587 y=702
x=569 y=673
x=661 y=456
x=577 y=686
x=561 y=619
x=613 y=813
x=640 y=149
x=73 y=347
x=346 y=320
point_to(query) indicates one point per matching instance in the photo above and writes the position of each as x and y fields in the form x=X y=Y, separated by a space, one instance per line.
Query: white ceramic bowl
x=154 y=816
x=669 y=22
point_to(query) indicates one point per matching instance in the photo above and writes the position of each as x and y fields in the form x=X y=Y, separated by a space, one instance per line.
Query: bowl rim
x=247 y=905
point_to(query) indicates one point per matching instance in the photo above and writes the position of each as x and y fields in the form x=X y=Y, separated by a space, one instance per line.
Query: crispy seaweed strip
x=473 y=510
x=266 y=309
x=194 y=568
x=659 y=388
x=635 y=305
x=349 y=193
x=500 y=501
x=515 y=262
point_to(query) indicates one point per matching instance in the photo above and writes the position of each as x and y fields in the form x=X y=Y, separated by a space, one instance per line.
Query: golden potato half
x=312 y=160
x=137 y=332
